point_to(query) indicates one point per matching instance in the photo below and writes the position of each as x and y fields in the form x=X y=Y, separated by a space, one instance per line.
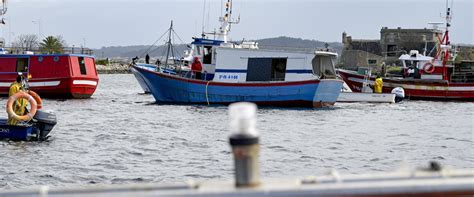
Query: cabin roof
x=43 y=55
x=204 y=41
x=415 y=57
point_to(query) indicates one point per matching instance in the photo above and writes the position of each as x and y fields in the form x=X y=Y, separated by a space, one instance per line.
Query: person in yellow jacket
x=19 y=106
x=378 y=84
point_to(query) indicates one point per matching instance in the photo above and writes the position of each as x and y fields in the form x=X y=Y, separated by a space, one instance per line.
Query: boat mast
x=226 y=22
x=3 y=11
x=445 y=44
x=169 y=44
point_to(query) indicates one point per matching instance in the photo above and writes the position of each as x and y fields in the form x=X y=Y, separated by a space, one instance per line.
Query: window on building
x=371 y=61
x=266 y=69
x=22 y=65
x=391 y=50
x=82 y=66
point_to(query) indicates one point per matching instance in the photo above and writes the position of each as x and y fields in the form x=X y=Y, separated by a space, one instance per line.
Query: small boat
x=35 y=125
x=425 y=77
x=367 y=95
x=36 y=130
x=234 y=72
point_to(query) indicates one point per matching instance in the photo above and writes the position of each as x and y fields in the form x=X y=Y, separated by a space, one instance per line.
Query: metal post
x=245 y=144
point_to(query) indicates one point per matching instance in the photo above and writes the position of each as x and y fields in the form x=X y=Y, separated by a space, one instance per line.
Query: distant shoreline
x=115 y=68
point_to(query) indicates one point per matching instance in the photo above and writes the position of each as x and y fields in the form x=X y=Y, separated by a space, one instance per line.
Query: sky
x=99 y=23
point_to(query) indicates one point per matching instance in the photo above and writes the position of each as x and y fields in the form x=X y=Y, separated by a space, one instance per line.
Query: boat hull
x=168 y=88
x=16 y=132
x=59 y=87
x=366 y=97
x=421 y=89
x=140 y=79
x=21 y=133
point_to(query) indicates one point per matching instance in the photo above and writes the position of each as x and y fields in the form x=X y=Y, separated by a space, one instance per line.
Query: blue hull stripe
x=299 y=71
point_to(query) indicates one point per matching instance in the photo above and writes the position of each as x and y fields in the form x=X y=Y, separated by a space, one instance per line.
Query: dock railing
x=36 y=50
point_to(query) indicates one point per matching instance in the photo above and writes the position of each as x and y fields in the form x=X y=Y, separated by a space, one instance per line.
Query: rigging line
x=208 y=13
x=154 y=43
x=452 y=4
x=172 y=49
x=162 y=52
x=207 y=95
x=182 y=42
x=203 y=16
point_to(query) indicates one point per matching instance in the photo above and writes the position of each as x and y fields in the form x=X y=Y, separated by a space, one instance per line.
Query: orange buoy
x=428 y=67
x=12 y=100
x=37 y=98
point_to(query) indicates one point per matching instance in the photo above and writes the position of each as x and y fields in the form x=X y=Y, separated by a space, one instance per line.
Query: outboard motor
x=45 y=121
x=399 y=94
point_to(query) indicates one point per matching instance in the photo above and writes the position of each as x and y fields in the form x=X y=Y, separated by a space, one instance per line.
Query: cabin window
x=40 y=59
x=266 y=69
x=371 y=61
x=22 y=65
x=197 y=52
x=207 y=55
x=82 y=66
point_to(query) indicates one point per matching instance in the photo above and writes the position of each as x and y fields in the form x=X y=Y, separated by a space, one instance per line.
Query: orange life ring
x=12 y=100
x=428 y=67
x=37 y=98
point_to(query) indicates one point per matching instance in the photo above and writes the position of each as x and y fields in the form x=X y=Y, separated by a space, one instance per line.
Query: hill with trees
x=282 y=43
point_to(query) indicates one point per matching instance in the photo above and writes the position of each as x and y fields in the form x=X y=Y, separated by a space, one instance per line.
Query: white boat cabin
x=230 y=62
x=414 y=62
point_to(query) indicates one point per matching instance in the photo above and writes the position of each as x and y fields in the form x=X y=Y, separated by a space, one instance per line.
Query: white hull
x=366 y=97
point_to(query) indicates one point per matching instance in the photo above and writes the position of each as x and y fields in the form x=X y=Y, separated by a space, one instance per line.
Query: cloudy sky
x=98 y=23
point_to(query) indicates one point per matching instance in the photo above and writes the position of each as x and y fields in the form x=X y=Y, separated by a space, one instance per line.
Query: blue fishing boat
x=167 y=88
x=233 y=72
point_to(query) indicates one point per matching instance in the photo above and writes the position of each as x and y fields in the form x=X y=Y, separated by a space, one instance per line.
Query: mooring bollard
x=245 y=145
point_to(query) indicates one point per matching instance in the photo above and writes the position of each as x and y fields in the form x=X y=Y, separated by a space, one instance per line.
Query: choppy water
x=120 y=136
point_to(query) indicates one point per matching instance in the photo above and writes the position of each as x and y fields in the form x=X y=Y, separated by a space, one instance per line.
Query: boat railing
x=191 y=75
x=465 y=77
x=36 y=50
x=295 y=49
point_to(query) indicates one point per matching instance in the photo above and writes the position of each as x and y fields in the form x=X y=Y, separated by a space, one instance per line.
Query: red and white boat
x=424 y=77
x=57 y=75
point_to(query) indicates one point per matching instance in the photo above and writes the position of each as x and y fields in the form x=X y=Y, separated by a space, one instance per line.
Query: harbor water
x=121 y=136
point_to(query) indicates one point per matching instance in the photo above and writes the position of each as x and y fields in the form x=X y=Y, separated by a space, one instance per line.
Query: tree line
x=31 y=42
